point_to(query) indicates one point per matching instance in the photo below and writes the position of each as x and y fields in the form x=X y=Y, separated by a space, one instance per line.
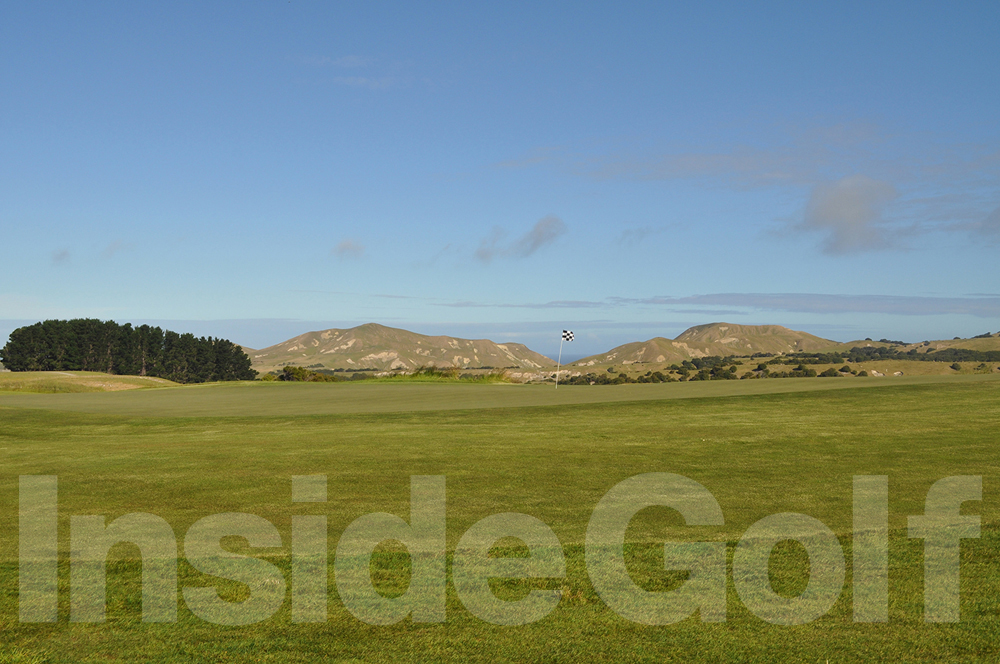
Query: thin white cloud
x=349 y=249
x=343 y=62
x=849 y=213
x=800 y=157
x=938 y=185
x=809 y=303
x=370 y=81
x=824 y=303
x=545 y=231
x=381 y=83
x=554 y=304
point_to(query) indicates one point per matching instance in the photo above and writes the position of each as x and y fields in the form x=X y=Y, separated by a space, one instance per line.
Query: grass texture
x=760 y=448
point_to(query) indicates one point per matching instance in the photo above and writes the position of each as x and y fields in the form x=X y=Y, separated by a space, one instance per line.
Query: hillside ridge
x=379 y=347
x=711 y=339
x=383 y=348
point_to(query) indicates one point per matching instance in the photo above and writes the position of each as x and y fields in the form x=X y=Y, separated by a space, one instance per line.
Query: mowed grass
x=757 y=453
x=280 y=399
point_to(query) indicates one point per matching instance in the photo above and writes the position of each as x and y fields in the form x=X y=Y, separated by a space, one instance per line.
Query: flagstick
x=559 y=362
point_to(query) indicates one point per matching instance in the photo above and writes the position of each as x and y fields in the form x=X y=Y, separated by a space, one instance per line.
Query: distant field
x=888 y=367
x=277 y=399
x=760 y=447
x=52 y=382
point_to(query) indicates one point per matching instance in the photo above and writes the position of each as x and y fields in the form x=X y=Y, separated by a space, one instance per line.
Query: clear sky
x=625 y=170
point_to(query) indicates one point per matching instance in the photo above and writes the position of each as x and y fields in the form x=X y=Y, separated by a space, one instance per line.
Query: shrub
x=301 y=374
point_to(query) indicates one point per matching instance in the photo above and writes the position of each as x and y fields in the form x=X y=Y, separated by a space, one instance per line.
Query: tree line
x=86 y=344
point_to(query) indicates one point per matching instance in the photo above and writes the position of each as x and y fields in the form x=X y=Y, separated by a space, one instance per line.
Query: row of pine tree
x=93 y=345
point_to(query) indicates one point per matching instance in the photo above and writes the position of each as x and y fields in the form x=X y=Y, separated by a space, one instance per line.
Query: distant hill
x=991 y=342
x=983 y=342
x=727 y=339
x=712 y=339
x=373 y=346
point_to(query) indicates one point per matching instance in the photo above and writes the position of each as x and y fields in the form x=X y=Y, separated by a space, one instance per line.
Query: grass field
x=62 y=382
x=760 y=448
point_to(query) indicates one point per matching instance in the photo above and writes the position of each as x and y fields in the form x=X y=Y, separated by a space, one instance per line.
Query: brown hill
x=712 y=339
x=373 y=346
x=982 y=343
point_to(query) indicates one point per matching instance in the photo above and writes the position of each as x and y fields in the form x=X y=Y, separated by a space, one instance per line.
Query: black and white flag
x=567 y=335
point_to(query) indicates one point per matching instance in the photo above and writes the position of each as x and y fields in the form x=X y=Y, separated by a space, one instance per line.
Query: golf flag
x=567 y=335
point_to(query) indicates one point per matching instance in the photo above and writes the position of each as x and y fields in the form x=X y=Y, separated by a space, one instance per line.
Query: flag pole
x=559 y=361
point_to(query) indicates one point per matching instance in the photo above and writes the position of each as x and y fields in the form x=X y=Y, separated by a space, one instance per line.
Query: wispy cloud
x=927 y=184
x=810 y=303
x=553 y=304
x=849 y=213
x=61 y=257
x=631 y=237
x=709 y=312
x=799 y=157
x=805 y=157
x=822 y=303
x=432 y=259
x=114 y=248
x=990 y=226
x=369 y=80
x=532 y=158
x=349 y=249
x=545 y=231
x=379 y=83
x=343 y=62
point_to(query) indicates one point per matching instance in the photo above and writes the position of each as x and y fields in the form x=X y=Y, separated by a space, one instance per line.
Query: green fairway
x=760 y=447
x=277 y=399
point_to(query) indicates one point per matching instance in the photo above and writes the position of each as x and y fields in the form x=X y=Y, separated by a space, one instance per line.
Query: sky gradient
x=255 y=171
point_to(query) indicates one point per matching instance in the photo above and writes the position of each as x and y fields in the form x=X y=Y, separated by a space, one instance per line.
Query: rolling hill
x=373 y=346
x=726 y=339
x=991 y=342
x=712 y=339
x=382 y=348
x=982 y=342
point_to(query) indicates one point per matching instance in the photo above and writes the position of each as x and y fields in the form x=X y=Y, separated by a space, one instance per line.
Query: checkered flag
x=567 y=335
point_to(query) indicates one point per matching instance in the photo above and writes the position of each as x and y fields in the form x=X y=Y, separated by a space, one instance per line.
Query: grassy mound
x=57 y=382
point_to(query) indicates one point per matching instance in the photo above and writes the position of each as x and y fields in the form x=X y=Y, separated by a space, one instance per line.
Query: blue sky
x=258 y=170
